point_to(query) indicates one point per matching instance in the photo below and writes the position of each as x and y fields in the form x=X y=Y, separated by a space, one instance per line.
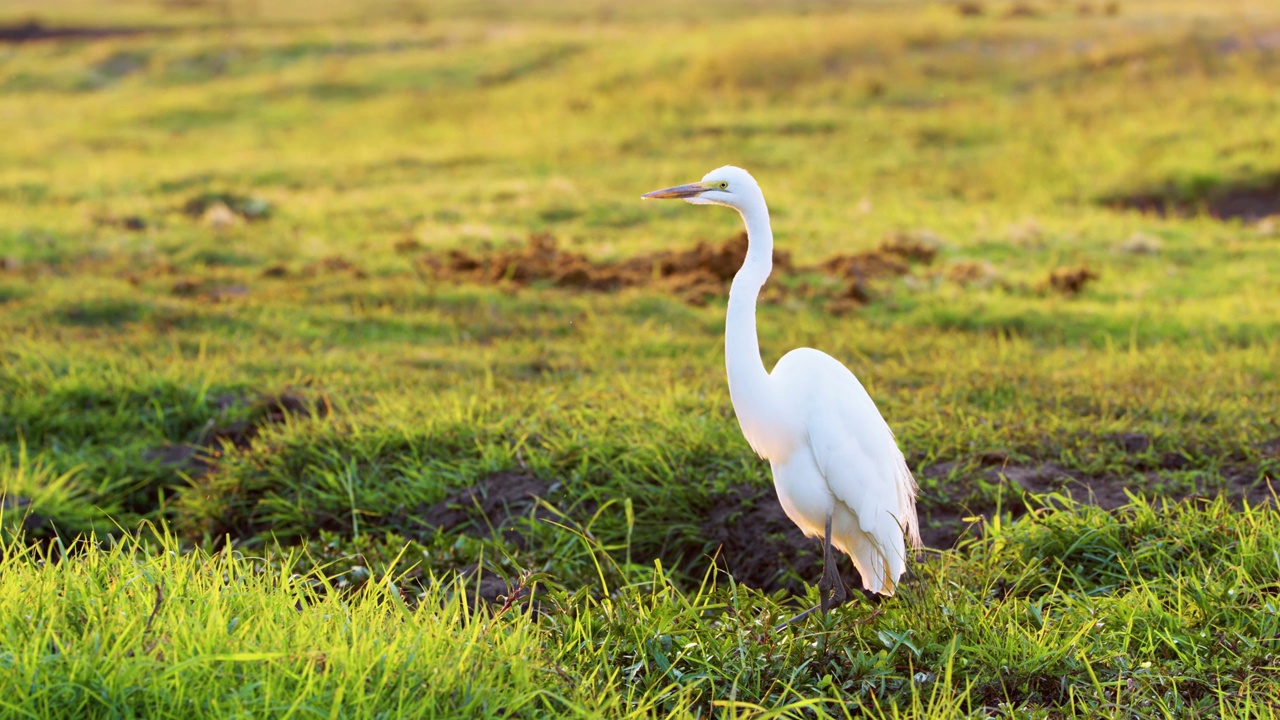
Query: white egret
x=836 y=467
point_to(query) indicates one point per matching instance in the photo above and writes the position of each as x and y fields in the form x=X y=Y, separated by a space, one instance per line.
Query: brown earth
x=34 y=30
x=751 y=539
x=754 y=541
x=491 y=505
x=1069 y=280
x=1248 y=199
x=746 y=530
x=198 y=457
x=943 y=527
x=695 y=274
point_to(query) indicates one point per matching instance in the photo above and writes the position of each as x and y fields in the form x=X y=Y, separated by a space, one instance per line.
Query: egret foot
x=797 y=618
x=871 y=597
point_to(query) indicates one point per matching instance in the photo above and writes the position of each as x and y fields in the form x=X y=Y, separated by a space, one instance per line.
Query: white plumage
x=835 y=461
x=849 y=467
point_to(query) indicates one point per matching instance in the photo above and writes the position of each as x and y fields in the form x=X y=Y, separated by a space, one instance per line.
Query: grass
x=221 y=440
x=1150 y=611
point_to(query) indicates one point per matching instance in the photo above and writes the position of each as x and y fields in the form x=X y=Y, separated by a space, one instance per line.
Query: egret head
x=729 y=185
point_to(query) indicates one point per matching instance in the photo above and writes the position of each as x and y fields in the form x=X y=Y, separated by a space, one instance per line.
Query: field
x=344 y=374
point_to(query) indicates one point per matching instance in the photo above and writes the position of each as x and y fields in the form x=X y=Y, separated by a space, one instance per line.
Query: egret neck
x=749 y=386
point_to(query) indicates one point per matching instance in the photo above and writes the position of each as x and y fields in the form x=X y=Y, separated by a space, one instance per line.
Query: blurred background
x=452 y=122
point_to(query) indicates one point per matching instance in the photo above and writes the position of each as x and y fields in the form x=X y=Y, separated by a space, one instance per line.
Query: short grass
x=176 y=545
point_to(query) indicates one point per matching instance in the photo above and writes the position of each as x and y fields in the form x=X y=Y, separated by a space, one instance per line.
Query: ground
x=310 y=312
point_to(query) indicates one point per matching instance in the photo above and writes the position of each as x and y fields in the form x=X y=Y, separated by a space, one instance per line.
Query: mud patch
x=695 y=274
x=942 y=527
x=497 y=505
x=754 y=541
x=199 y=457
x=265 y=411
x=1248 y=199
x=1132 y=443
x=35 y=30
x=491 y=505
x=485 y=588
x=744 y=530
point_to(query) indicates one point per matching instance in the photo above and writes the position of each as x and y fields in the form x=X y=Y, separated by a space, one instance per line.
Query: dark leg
x=831 y=589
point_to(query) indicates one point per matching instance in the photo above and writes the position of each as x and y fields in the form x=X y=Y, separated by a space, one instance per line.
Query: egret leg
x=831 y=589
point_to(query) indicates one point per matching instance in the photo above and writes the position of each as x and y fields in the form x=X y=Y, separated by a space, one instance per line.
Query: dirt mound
x=132 y=223
x=1069 y=280
x=695 y=274
x=854 y=272
x=973 y=273
x=752 y=539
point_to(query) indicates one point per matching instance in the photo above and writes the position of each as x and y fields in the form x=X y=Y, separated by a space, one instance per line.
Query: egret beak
x=677 y=192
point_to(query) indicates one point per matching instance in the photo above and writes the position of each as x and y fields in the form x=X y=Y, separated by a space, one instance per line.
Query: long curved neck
x=748 y=380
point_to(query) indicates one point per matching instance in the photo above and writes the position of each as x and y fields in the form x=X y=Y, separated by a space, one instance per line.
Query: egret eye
x=723 y=185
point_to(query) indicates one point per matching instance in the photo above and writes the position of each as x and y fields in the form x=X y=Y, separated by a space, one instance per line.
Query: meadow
x=341 y=374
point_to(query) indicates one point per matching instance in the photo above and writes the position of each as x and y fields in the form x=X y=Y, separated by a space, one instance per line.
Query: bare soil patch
x=746 y=532
x=941 y=527
x=35 y=30
x=754 y=541
x=1069 y=280
x=197 y=458
x=745 y=529
x=751 y=538
x=1248 y=199
x=695 y=274
x=207 y=291
x=490 y=506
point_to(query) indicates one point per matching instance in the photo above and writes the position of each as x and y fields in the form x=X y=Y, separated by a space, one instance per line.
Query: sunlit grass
x=1155 y=610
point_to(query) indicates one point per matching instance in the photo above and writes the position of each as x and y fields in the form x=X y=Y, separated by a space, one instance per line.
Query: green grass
x=1149 y=611
x=146 y=353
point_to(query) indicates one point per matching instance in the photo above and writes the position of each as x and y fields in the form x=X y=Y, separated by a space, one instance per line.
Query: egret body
x=836 y=467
